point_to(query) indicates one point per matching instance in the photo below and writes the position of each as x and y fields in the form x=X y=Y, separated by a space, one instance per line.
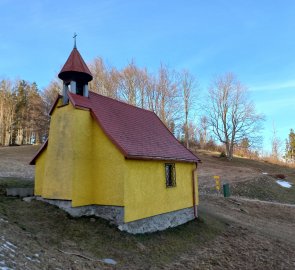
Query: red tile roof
x=138 y=133
x=75 y=63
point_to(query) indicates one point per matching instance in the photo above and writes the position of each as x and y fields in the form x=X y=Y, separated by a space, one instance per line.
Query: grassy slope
x=263 y=187
x=212 y=158
x=52 y=227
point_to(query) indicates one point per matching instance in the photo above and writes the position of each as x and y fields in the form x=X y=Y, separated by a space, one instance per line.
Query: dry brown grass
x=237 y=170
x=14 y=161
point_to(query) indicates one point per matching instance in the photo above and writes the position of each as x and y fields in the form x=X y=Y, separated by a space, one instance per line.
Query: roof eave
x=54 y=104
x=139 y=157
x=41 y=149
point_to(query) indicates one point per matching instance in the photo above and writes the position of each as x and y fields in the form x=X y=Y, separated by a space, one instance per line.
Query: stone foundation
x=159 y=222
x=115 y=214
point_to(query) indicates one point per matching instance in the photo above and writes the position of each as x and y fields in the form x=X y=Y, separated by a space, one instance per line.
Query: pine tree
x=290 y=146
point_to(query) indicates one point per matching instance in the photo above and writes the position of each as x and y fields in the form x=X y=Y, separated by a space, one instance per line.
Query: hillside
x=248 y=178
x=231 y=233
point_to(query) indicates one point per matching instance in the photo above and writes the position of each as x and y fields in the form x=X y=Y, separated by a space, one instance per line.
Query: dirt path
x=239 y=248
x=259 y=236
x=271 y=219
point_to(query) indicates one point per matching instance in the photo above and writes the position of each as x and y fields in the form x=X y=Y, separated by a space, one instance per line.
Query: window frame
x=171 y=179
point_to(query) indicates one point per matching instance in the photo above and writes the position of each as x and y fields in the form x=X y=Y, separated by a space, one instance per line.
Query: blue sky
x=253 y=39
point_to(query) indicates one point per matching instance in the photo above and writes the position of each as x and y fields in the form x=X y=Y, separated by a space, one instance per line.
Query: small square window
x=170 y=175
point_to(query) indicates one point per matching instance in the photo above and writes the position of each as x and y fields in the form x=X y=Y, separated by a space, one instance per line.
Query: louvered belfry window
x=170 y=175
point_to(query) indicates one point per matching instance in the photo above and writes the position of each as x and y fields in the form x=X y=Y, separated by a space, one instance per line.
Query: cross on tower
x=74 y=37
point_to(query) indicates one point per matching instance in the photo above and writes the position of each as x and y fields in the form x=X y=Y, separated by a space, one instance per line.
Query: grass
x=264 y=188
x=16 y=182
x=52 y=227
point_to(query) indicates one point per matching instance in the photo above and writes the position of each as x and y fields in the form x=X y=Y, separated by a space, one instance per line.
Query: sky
x=253 y=39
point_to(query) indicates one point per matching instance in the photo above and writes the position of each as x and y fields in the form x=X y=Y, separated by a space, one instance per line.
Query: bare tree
x=152 y=95
x=203 y=131
x=168 y=96
x=232 y=116
x=143 y=83
x=129 y=83
x=98 y=70
x=50 y=93
x=105 y=79
x=188 y=86
x=276 y=144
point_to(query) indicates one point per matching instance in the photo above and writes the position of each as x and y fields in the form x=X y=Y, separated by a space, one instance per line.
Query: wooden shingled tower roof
x=75 y=67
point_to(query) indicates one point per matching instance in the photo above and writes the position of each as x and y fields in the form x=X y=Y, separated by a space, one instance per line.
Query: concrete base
x=115 y=214
x=19 y=192
x=159 y=222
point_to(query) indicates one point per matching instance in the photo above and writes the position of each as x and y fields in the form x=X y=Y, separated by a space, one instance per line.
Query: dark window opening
x=170 y=175
x=79 y=89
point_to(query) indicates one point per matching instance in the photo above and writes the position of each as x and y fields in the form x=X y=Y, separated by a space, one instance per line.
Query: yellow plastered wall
x=81 y=163
x=58 y=171
x=146 y=193
x=99 y=166
x=83 y=182
x=109 y=170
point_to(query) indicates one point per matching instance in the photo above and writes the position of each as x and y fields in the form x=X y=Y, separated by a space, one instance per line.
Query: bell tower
x=75 y=75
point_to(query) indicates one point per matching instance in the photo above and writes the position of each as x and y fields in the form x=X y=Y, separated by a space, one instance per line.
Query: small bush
x=280 y=176
x=222 y=154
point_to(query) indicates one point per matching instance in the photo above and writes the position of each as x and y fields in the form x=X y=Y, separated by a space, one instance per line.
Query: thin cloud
x=274 y=106
x=274 y=86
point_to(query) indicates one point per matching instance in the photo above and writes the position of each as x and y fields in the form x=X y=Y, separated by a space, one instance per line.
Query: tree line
x=227 y=116
x=290 y=147
x=24 y=111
